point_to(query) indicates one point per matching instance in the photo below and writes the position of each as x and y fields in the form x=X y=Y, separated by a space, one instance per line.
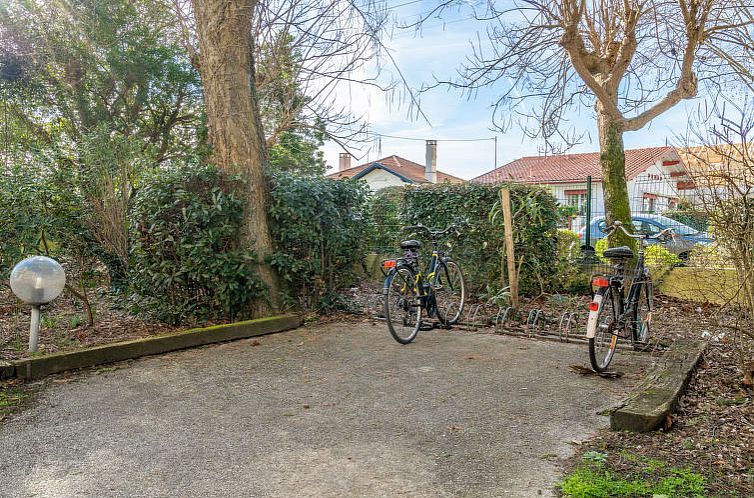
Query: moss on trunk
x=615 y=187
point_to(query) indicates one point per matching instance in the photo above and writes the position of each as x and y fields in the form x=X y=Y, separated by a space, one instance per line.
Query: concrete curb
x=648 y=407
x=35 y=368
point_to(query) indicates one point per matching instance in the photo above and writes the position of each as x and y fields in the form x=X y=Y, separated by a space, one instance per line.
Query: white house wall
x=379 y=179
x=655 y=180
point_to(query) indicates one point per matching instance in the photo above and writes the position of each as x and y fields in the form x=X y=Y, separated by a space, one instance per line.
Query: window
x=576 y=199
x=649 y=203
x=646 y=227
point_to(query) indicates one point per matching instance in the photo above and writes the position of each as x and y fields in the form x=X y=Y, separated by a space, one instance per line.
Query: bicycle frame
x=626 y=304
x=424 y=292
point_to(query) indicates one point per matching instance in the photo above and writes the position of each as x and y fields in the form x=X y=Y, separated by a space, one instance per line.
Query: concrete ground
x=335 y=410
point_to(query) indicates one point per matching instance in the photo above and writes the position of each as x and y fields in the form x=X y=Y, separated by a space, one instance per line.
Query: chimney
x=430 y=171
x=344 y=161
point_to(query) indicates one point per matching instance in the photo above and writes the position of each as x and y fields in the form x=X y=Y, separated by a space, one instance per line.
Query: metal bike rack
x=568 y=322
x=535 y=319
x=504 y=315
x=474 y=313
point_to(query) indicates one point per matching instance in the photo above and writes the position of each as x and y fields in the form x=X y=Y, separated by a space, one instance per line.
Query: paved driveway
x=338 y=410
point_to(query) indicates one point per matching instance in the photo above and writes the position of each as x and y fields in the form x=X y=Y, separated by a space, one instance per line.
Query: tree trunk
x=614 y=186
x=226 y=66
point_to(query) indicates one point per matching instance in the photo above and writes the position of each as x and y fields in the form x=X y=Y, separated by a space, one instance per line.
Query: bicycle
x=612 y=314
x=407 y=291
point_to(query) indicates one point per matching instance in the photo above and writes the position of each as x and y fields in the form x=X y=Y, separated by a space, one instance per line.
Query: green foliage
x=599 y=248
x=385 y=220
x=593 y=479
x=657 y=256
x=570 y=276
x=187 y=260
x=298 y=150
x=11 y=398
x=319 y=228
x=696 y=219
x=480 y=250
x=42 y=214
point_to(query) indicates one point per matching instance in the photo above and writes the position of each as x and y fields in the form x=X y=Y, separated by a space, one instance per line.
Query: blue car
x=685 y=240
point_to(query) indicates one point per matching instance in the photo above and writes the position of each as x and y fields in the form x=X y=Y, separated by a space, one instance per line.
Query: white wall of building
x=379 y=179
x=653 y=190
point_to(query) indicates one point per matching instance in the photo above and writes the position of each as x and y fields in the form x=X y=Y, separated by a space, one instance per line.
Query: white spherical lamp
x=36 y=281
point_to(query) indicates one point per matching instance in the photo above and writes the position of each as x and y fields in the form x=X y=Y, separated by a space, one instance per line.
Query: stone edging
x=41 y=366
x=648 y=407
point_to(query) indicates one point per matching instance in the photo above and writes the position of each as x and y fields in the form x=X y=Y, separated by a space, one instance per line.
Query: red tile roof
x=403 y=167
x=568 y=168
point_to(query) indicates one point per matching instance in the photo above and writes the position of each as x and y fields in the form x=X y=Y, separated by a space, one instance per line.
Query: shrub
x=319 y=227
x=187 y=261
x=385 y=221
x=698 y=220
x=655 y=255
x=41 y=214
x=570 y=276
x=481 y=249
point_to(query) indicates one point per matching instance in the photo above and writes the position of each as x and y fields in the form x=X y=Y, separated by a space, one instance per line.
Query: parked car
x=686 y=237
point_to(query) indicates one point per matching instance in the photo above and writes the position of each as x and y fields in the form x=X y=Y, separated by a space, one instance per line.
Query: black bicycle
x=407 y=291
x=612 y=314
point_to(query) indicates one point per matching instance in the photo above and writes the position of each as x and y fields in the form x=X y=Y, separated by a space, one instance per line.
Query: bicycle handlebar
x=617 y=224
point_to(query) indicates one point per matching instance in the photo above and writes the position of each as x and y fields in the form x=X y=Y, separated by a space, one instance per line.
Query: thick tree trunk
x=614 y=186
x=235 y=130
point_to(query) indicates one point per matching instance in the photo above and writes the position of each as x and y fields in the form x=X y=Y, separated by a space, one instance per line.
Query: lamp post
x=36 y=281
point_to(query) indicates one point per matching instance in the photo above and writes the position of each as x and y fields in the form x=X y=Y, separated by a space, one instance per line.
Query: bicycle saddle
x=410 y=244
x=622 y=252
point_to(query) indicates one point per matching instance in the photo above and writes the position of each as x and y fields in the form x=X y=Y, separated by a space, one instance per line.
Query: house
x=395 y=171
x=654 y=176
x=717 y=171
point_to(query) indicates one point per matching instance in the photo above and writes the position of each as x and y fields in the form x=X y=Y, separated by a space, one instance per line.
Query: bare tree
x=723 y=174
x=631 y=60
x=226 y=65
x=309 y=45
x=307 y=54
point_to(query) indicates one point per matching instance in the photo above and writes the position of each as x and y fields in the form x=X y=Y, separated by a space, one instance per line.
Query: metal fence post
x=588 y=230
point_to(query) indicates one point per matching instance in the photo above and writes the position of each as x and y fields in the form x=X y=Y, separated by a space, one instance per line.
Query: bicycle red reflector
x=388 y=264
x=601 y=282
x=594 y=306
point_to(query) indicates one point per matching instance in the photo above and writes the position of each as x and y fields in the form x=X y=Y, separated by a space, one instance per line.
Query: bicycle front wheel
x=402 y=305
x=450 y=292
x=643 y=316
x=602 y=346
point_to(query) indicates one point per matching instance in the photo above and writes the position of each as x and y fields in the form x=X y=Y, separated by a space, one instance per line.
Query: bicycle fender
x=591 y=323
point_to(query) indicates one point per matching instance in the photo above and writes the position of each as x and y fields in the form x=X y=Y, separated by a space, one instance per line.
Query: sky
x=438 y=52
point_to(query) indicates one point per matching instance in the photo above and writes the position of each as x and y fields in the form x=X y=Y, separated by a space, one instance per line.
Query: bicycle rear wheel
x=402 y=305
x=450 y=292
x=602 y=346
x=643 y=316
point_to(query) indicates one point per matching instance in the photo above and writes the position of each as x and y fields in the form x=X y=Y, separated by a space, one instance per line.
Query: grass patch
x=593 y=478
x=12 y=395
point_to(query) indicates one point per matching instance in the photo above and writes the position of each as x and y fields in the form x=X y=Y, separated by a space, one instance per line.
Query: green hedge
x=319 y=227
x=480 y=248
x=187 y=258
x=187 y=261
x=697 y=220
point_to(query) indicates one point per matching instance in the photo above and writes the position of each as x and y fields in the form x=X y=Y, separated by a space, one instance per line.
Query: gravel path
x=335 y=410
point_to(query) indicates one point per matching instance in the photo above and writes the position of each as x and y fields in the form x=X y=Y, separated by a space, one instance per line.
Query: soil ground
x=64 y=325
